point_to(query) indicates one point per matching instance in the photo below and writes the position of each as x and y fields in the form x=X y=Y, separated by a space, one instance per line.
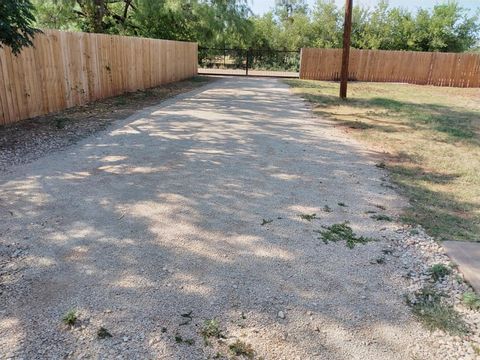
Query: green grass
x=430 y=310
x=471 y=300
x=239 y=348
x=431 y=136
x=70 y=318
x=342 y=232
x=211 y=329
x=439 y=271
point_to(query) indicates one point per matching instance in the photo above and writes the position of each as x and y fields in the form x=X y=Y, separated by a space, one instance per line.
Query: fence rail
x=426 y=68
x=66 y=69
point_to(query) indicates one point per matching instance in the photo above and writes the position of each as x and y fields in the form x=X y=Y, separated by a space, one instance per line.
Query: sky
x=261 y=6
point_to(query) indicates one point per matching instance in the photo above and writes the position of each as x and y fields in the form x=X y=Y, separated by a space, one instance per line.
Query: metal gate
x=249 y=62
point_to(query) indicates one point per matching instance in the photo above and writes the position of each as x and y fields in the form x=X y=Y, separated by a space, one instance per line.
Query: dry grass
x=429 y=138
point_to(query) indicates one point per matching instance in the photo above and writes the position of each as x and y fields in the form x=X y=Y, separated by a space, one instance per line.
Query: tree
x=16 y=19
x=327 y=25
x=289 y=25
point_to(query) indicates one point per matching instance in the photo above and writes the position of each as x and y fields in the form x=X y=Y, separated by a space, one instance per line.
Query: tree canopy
x=289 y=25
x=16 y=24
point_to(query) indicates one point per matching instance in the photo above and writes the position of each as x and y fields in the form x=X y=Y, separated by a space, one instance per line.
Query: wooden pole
x=347 y=31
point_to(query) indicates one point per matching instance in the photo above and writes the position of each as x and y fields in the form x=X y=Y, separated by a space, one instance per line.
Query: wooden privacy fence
x=65 y=69
x=426 y=68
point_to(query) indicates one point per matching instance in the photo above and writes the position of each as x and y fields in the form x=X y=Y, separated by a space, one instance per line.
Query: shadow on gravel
x=163 y=216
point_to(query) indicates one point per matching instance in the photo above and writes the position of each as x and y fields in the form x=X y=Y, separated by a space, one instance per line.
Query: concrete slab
x=467 y=256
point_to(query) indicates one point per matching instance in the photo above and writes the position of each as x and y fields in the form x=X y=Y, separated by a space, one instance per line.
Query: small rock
x=281 y=314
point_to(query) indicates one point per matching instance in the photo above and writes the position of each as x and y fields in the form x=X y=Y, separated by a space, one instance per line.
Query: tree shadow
x=456 y=123
x=161 y=215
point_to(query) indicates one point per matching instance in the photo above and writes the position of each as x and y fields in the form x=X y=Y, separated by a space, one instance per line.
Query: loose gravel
x=25 y=141
x=188 y=212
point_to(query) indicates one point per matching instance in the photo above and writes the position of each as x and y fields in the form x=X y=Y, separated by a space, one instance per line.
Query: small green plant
x=308 y=217
x=103 y=333
x=439 y=271
x=70 y=318
x=211 y=328
x=327 y=209
x=471 y=300
x=342 y=204
x=430 y=310
x=476 y=349
x=340 y=232
x=239 y=348
x=381 y=217
x=179 y=340
x=266 y=221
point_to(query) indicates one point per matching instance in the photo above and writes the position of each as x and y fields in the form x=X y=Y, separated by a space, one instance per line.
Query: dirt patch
x=31 y=139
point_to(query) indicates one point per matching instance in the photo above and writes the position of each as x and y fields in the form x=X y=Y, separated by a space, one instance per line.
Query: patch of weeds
x=471 y=300
x=239 y=348
x=211 y=329
x=266 y=221
x=414 y=232
x=381 y=207
x=308 y=217
x=370 y=212
x=70 y=318
x=327 y=209
x=381 y=217
x=476 y=349
x=434 y=315
x=342 y=204
x=61 y=122
x=180 y=340
x=340 y=232
x=439 y=271
x=381 y=165
x=103 y=333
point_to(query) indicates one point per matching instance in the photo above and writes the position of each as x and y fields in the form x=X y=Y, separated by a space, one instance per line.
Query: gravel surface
x=190 y=211
x=26 y=141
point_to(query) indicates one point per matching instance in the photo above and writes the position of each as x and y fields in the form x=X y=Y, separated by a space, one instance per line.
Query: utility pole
x=347 y=31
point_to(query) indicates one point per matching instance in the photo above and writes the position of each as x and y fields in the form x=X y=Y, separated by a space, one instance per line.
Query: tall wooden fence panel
x=66 y=69
x=426 y=68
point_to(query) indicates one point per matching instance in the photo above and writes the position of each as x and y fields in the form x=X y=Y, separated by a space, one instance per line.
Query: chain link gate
x=249 y=62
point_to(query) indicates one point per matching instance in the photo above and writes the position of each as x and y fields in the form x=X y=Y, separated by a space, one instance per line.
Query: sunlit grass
x=431 y=140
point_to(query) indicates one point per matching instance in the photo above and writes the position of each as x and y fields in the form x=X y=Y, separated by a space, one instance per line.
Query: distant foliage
x=16 y=21
x=289 y=25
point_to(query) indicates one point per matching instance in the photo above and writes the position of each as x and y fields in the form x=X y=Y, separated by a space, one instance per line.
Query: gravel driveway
x=155 y=226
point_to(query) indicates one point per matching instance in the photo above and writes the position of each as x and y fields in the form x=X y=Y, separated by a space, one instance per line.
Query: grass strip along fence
x=66 y=69
x=423 y=68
